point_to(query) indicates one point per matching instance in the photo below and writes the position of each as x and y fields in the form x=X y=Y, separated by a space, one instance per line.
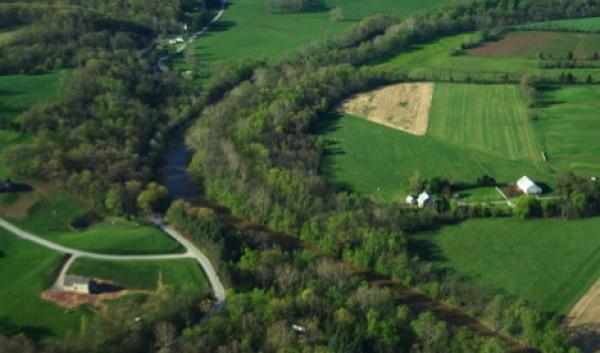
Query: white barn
x=423 y=199
x=528 y=187
x=77 y=284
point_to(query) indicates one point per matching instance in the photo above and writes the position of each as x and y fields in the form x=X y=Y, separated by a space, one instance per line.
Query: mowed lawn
x=26 y=270
x=569 y=127
x=144 y=274
x=487 y=118
x=369 y=158
x=551 y=263
x=51 y=215
x=248 y=30
x=18 y=93
x=582 y=24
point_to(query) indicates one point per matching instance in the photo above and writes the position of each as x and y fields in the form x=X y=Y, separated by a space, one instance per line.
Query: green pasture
x=143 y=274
x=51 y=215
x=569 y=128
x=26 y=270
x=8 y=35
x=486 y=118
x=248 y=30
x=551 y=263
x=369 y=158
x=435 y=61
x=580 y=24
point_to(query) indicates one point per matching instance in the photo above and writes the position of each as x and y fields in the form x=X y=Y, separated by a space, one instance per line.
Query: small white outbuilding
x=410 y=200
x=423 y=199
x=77 y=284
x=528 y=187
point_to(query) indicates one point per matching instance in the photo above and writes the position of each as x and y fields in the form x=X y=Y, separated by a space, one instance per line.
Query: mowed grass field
x=569 y=128
x=18 y=93
x=581 y=24
x=551 y=263
x=470 y=134
x=26 y=270
x=248 y=30
x=51 y=215
x=487 y=118
x=144 y=274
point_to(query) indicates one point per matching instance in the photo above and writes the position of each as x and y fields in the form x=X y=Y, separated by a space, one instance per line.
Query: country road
x=191 y=252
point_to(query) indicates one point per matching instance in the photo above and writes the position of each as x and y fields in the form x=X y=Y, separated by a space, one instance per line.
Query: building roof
x=424 y=196
x=74 y=280
x=525 y=183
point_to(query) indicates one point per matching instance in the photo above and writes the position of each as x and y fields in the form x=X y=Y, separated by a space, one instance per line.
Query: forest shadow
x=36 y=333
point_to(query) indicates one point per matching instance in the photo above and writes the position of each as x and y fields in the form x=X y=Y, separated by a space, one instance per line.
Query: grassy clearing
x=144 y=274
x=8 y=35
x=487 y=118
x=51 y=215
x=569 y=127
x=581 y=24
x=248 y=30
x=25 y=271
x=433 y=61
x=368 y=158
x=552 y=263
x=529 y=43
x=18 y=93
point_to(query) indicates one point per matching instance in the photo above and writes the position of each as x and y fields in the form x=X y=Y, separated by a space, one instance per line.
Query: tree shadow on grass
x=35 y=333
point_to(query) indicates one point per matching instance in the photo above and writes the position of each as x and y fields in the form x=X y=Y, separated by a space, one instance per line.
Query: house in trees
x=77 y=284
x=424 y=199
x=528 y=187
x=410 y=200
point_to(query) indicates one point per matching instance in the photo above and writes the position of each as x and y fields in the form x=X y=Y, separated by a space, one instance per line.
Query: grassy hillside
x=569 y=127
x=25 y=271
x=582 y=24
x=373 y=159
x=144 y=274
x=248 y=30
x=18 y=93
x=549 y=262
x=487 y=118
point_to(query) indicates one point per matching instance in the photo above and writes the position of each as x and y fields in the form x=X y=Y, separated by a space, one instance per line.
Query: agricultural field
x=551 y=263
x=18 y=93
x=26 y=270
x=578 y=24
x=529 y=44
x=248 y=30
x=144 y=274
x=370 y=158
x=569 y=128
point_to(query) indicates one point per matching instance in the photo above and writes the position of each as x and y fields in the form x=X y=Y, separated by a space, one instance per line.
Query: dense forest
x=257 y=155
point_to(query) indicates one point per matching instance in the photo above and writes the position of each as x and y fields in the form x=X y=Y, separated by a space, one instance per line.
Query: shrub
x=289 y=6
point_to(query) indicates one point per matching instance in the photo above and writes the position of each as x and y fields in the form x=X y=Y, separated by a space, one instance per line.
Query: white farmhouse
x=528 y=187
x=423 y=199
x=77 y=284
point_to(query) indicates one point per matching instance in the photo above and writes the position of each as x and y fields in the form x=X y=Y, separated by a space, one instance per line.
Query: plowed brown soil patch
x=403 y=106
x=72 y=300
x=583 y=321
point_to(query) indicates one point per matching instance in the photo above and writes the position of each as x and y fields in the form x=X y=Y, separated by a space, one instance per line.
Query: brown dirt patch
x=516 y=44
x=583 y=321
x=403 y=106
x=20 y=208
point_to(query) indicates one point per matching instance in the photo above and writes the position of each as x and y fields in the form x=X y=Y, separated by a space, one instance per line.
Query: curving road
x=191 y=252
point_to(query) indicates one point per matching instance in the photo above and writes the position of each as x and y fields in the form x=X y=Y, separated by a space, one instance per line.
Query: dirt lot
x=583 y=321
x=403 y=106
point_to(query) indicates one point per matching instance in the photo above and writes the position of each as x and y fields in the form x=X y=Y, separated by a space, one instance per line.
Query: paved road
x=191 y=252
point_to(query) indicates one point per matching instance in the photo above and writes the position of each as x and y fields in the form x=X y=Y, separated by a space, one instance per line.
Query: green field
x=25 y=271
x=144 y=274
x=582 y=24
x=552 y=263
x=471 y=133
x=434 y=61
x=569 y=127
x=18 y=93
x=51 y=215
x=491 y=119
x=248 y=30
